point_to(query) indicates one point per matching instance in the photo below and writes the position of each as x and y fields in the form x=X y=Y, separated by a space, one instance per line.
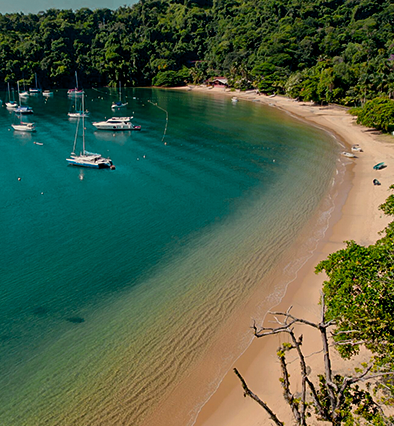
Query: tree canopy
x=330 y=51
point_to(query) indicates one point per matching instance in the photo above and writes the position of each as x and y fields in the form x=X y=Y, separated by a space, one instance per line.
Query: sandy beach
x=356 y=218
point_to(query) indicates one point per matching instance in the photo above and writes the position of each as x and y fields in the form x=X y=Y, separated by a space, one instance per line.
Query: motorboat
x=47 y=93
x=234 y=99
x=85 y=158
x=116 y=123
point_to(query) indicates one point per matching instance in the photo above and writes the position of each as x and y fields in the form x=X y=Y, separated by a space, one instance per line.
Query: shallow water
x=114 y=281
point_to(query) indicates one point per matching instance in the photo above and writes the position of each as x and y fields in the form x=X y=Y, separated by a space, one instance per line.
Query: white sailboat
x=35 y=90
x=78 y=112
x=119 y=104
x=23 y=126
x=75 y=91
x=23 y=109
x=10 y=104
x=85 y=158
x=25 y=93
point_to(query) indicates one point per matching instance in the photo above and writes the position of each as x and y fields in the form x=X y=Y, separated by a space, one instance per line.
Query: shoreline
x=356 y=216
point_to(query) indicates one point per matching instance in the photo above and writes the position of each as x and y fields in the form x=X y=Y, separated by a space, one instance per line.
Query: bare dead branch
x=248 y=392
x=289 y=397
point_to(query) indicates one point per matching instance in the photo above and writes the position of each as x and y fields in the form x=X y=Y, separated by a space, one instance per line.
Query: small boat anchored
x=10 y=104
x=85 y=158
x=35 y=90
x=23 y=126
x=75 y=91
x=119 y=104
x=116 y=123
x=23 y=109
x=78 y=111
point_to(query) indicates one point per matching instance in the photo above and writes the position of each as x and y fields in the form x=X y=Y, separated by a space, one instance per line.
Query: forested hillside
x=334 y=50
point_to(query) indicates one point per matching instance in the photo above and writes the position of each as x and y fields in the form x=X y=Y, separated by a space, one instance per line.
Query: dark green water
x=101 y=269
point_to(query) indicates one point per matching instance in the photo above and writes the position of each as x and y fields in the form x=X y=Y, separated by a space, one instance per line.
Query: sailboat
x=35 y=90
x=75 y=91
x=76 y=113
x=25 y=93
x=23 y=109
x=11 y=104
x=87 y=159
x=23 y=126
x=119 y=104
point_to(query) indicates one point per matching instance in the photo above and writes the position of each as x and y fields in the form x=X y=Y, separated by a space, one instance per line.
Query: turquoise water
x=102 y=269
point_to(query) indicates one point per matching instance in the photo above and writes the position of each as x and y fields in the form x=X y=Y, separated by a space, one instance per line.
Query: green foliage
x=359 y=293
x=322 y=51
x=377 y=113
x=171 y=78
x=356 y=403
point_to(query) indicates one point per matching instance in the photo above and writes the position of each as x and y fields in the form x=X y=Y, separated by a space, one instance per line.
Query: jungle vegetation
x=321 y=50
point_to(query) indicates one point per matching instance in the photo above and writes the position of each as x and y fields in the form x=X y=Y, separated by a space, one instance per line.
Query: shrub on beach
x=377 y=113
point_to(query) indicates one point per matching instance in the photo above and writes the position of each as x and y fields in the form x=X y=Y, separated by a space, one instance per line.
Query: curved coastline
x=355 y=216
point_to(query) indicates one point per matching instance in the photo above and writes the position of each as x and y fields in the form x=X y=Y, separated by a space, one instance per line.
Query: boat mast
x=76 y=80
x=36 y=80
x=83 y=124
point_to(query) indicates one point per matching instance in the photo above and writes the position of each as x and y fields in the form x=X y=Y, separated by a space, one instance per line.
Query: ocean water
x=114 y=283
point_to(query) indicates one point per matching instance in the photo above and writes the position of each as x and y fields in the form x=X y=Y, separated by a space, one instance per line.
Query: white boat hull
x=78 y=114
x=94 y=161
x=116 y=123
x=29 y=127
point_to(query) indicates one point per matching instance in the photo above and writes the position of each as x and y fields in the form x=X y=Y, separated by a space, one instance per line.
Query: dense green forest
x=322 y=50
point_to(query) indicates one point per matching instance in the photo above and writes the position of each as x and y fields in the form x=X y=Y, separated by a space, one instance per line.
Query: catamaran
x=85 y=158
